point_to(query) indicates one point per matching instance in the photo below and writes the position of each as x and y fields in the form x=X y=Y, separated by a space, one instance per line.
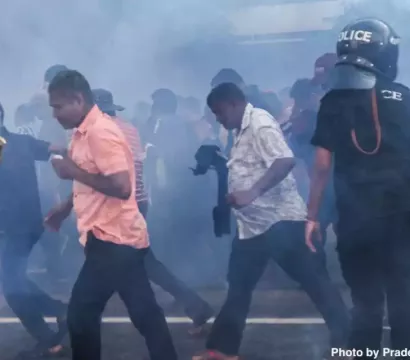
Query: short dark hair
x=301 y=90
x=227 y=92
x=225 y=76
x=165 y=100
x=70 y=82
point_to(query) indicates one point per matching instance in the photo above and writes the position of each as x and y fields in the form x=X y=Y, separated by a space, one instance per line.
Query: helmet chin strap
x=348 y=76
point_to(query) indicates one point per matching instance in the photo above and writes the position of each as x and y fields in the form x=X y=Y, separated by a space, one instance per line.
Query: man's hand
x=312 y=232
x=240 y=199
x=56 y=149
x=65 y=168
x=57 y=215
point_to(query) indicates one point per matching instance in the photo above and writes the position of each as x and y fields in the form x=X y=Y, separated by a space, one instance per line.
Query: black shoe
x=201 y=319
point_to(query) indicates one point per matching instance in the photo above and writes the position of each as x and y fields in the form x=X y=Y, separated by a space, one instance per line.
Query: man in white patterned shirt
x=270 y=217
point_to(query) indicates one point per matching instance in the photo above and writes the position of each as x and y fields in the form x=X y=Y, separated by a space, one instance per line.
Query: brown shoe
x=214 y=355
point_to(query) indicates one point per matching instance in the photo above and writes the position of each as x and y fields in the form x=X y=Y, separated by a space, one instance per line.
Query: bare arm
x=276 y=155
x=112 y=156
x=319 y=179
x=117 y=185
x=275 y=174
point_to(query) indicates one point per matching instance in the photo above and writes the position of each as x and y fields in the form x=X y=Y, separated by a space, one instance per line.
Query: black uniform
x=368 y=131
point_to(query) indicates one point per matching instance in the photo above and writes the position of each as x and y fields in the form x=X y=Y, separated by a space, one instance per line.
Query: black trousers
x=195 y=308
x=110 y=268
x=51 y=242
x=375 y=262
x=284 y=243
x=28 y=302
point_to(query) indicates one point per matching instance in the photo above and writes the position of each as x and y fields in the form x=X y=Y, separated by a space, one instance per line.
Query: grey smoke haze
x=119 y=44
x=127 y=45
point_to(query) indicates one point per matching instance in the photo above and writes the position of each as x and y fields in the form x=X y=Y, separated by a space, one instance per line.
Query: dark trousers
x=51 y=242
x=195 y=307
x=28 y=302
x=110 y=268
x=284 y=243
x=51 y=245
x=375 y=262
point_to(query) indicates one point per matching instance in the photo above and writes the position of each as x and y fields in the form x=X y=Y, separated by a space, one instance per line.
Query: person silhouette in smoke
x=322 y=76
x=170 y=147
x=50 y=186
x=21 y=226
x=196 y=308
x=24 y=121
x=306 y=97
x=363 y=134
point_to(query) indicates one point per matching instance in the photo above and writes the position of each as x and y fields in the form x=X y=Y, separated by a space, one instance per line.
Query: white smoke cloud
x=118 y=44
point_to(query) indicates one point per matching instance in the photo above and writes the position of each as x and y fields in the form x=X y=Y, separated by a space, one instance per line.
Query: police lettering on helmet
x=359 y=35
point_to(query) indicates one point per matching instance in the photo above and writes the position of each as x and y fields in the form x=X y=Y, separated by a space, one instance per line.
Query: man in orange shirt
x=111 y=228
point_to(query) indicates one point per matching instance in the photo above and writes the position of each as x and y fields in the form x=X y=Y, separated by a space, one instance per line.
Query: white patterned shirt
x=257 y=145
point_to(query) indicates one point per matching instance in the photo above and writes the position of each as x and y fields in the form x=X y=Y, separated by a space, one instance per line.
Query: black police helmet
x=371 y=44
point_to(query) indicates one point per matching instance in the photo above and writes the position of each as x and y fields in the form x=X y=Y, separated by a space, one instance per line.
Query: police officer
x=363 y=127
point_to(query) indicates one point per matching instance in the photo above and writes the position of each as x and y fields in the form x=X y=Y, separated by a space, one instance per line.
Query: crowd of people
x=331 y=150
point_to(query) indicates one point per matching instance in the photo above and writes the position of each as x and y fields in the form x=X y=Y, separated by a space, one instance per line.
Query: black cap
x=227 y=76
x=52 y=71
x=105 y=101
x=163 y=95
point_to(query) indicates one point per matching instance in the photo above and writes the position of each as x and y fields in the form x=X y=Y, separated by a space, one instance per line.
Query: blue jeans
x=28 y=302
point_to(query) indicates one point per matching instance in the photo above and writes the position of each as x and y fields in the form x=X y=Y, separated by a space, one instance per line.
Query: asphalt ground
x=282 y=325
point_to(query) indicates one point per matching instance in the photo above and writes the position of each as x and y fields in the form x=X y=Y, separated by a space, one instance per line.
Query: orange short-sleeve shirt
x=98 y=146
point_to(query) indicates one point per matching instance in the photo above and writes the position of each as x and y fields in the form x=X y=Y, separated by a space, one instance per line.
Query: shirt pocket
x=85 y=163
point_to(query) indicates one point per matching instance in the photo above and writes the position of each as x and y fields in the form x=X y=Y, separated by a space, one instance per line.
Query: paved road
x=264 y=340
x=286 y=325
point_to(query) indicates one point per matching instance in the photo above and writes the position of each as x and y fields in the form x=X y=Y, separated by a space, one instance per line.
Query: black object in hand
x=221 y=215
x=206 y=157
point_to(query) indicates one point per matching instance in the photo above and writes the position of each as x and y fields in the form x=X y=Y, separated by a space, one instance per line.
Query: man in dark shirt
x=21 y=223
x=363 y=124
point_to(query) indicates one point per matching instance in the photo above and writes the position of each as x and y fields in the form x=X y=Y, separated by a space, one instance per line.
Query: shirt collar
x=89 y=120
x=246 y=119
